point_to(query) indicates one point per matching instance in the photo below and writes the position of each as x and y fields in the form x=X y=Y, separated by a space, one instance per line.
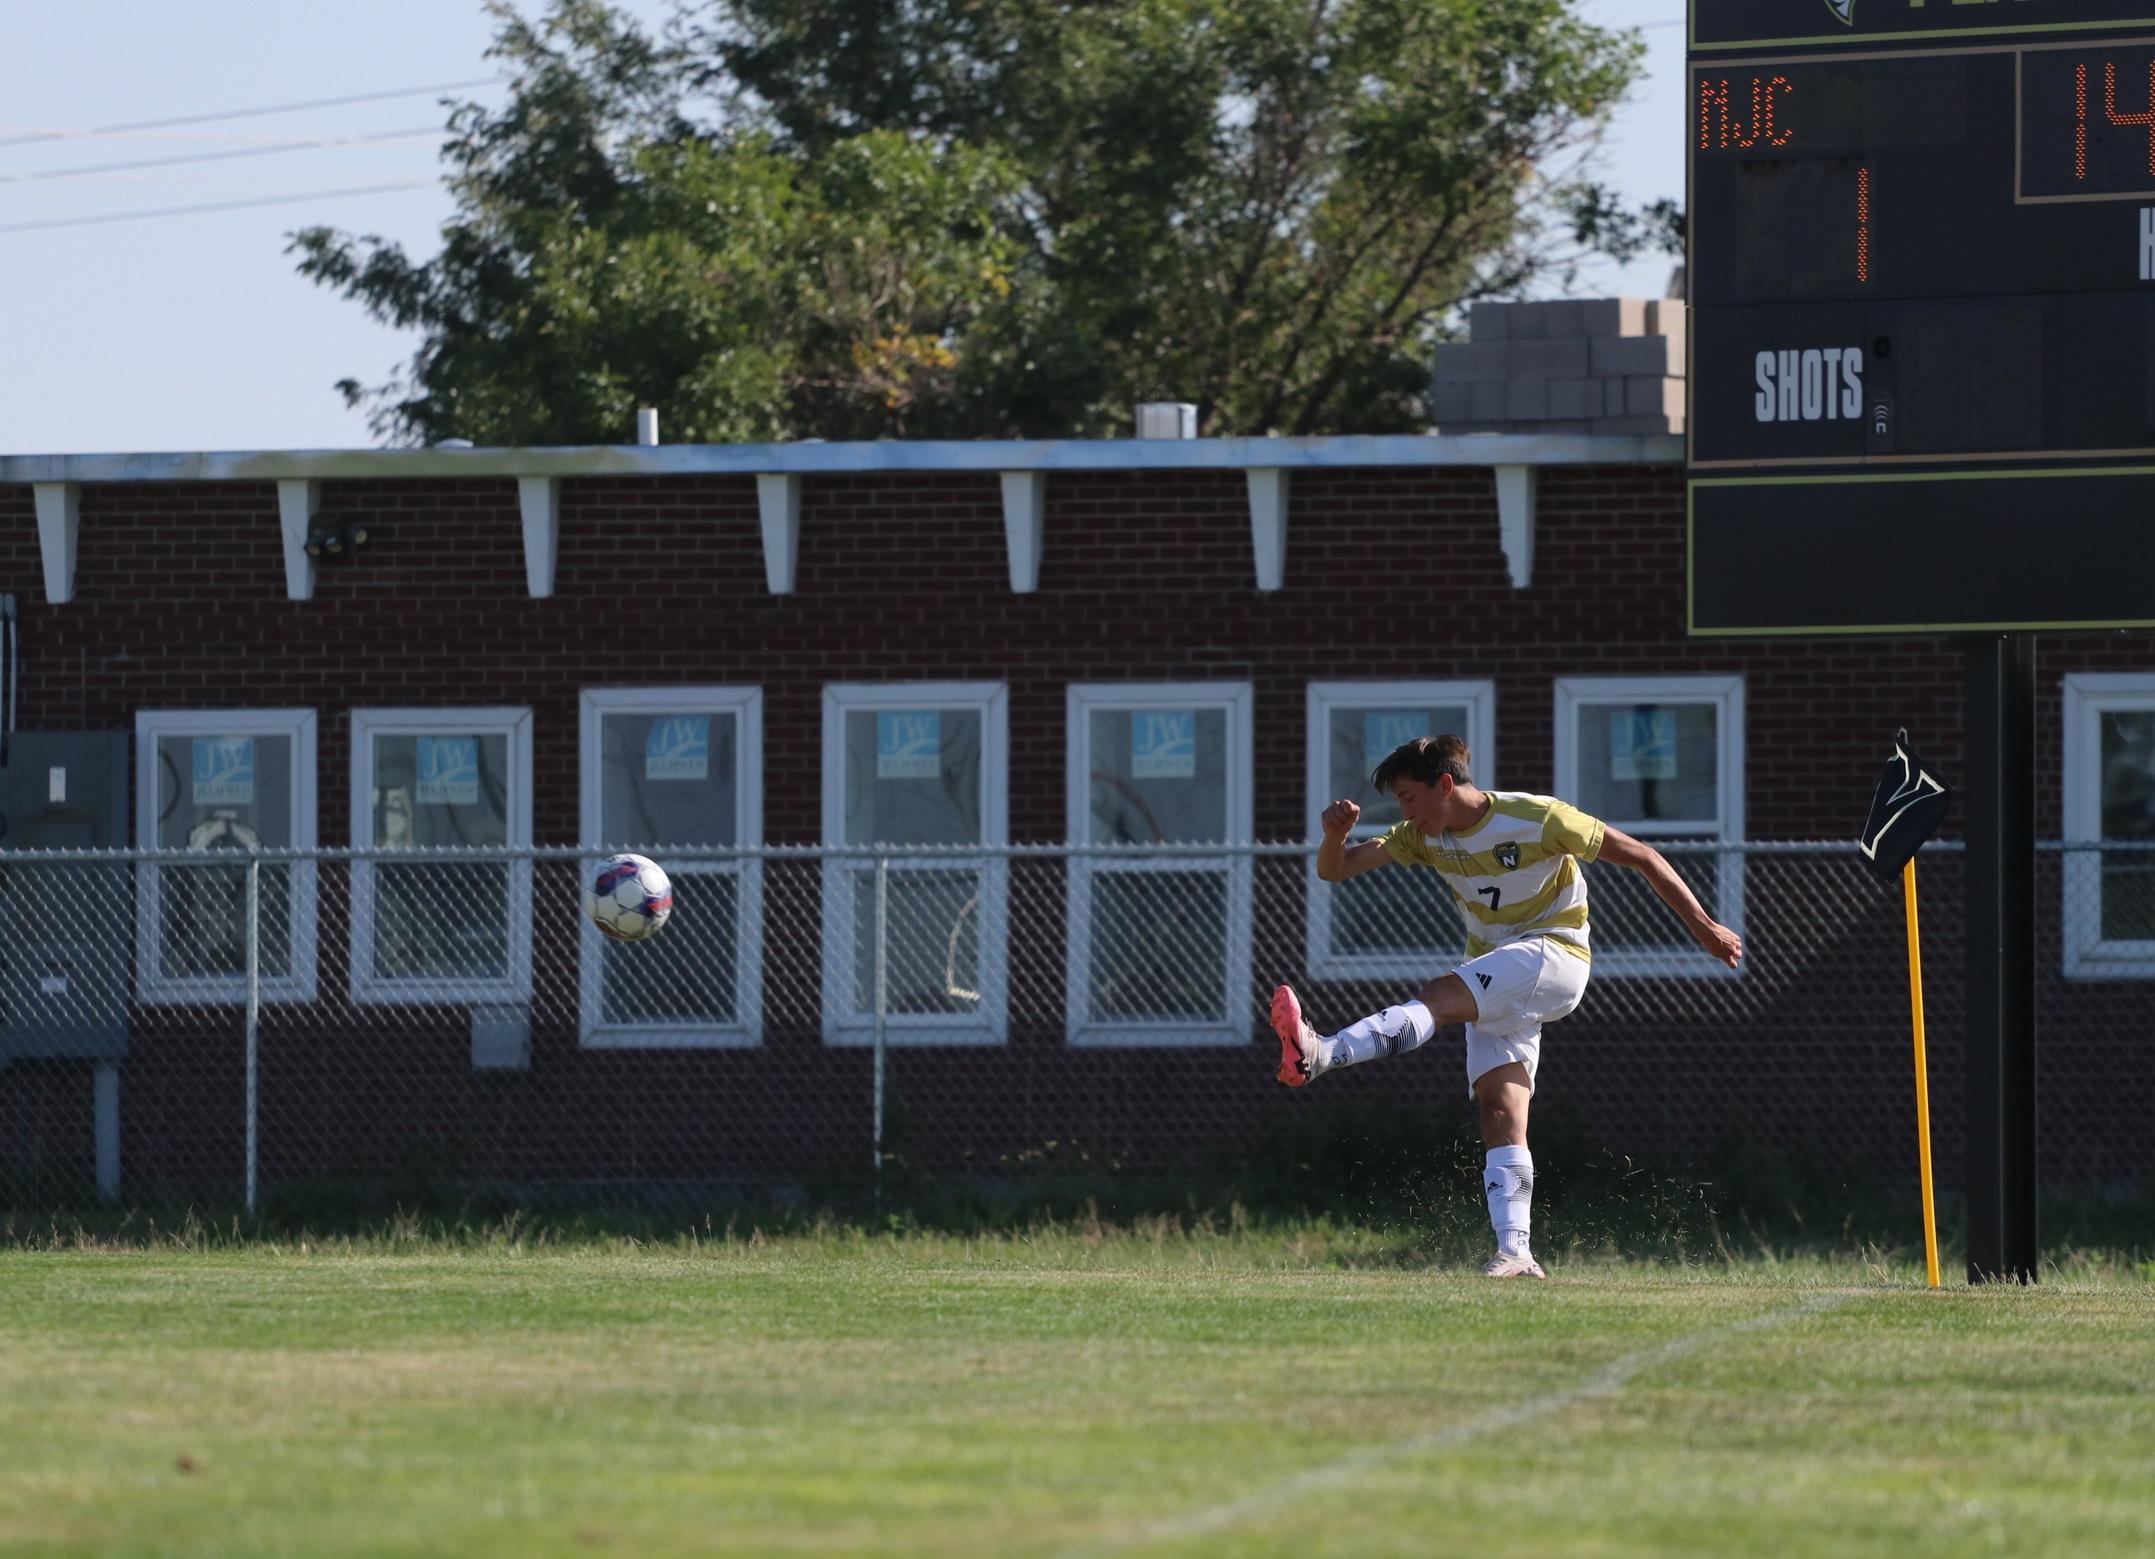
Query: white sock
x=1389 y=1033
x=1509 y=1182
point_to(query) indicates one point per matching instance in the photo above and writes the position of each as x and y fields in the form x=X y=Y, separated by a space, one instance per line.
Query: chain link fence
x=229 y=1028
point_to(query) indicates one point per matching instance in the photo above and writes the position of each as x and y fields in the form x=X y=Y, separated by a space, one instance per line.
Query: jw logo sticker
x=909 y=744
x=224 y=771
x=448 y=771
x=678 y=748
x=1844 y=10
x=1163 y=744
x=1508 y=857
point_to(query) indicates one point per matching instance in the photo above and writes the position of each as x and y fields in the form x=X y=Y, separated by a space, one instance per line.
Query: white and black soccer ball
x=629 y=897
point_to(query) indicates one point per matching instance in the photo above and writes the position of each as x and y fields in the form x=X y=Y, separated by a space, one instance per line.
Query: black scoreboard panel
x=1963 y=176
x=1721 y=25
x=1921 y=252
x=1984 y=378
x=1922 y=552
x=1851 y=226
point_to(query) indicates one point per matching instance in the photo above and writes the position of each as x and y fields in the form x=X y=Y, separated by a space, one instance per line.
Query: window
x=1662 y=759
x=1385 y=924
x=441 y=931
x=225 y=780
x=1159 y=948
x=2109 y=909
x=666 y=772
x=911 y=765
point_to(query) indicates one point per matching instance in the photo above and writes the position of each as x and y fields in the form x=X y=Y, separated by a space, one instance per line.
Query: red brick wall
x=179 y=600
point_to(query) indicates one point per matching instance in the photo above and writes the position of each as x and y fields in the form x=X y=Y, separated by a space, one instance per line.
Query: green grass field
x=1303 y=1389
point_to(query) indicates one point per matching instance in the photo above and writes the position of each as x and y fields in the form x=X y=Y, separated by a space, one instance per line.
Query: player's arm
x=1338 y=860
x=1620 y=849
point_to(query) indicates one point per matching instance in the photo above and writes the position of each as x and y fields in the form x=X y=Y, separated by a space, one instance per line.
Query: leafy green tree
x=1268 y=207
x=608 y=256
x=990 y=217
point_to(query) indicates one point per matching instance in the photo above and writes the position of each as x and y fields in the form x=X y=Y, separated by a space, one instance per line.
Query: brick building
x=1278 y=599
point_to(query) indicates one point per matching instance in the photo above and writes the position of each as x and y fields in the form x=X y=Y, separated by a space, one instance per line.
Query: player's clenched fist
x=1339 y=819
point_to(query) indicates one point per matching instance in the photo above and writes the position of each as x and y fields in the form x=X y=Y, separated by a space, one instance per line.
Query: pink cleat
x=1507 y=1265
x=1300 y=1061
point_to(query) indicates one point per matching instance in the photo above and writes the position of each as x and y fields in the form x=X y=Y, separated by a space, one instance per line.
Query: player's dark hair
x=1422 y=760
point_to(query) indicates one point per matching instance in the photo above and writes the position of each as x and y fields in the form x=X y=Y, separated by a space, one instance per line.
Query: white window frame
x=1082 y=699
x=2088 y=696
x=989 y=1023
x=1480 y=699
x=745 y=704
x=511 y=722
x=1726 y=694
x=152 y=985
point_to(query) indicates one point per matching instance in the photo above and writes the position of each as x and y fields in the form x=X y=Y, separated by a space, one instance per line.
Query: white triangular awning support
x=778 y=498
x=1515 y=521
x=540 y=499
x=297 y=505
x=1268 y=525
x=59 y=524
x=1025 y=502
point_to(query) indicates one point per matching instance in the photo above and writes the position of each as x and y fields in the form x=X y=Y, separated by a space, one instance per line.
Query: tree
x=990 y=217
x=608 y=255
x=1268 y=207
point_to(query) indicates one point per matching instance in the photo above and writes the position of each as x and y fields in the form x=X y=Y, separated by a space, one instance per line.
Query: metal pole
x=2001 y=959
x=254 y=1030
x=882 y=1004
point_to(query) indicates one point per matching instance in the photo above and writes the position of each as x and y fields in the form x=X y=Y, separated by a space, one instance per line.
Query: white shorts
x=1516 y=989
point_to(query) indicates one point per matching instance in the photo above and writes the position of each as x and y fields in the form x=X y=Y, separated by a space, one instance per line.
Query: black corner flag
x=1910 y=804
x=1907 y=810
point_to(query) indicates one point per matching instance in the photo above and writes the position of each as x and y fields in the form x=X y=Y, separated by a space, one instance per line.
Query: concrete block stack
x=1572 y=365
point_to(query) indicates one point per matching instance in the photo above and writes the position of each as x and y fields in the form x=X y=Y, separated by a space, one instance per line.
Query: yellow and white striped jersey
x=1516 y=872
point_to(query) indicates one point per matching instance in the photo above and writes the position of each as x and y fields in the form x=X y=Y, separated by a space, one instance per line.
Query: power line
x=181 y=137
x=425 y=134
x=248 y=113
x=222 y=205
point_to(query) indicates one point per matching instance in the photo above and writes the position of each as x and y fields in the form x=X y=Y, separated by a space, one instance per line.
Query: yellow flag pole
x=1923 y=1087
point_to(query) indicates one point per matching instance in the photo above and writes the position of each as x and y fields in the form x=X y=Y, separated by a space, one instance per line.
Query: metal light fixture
x=327 y=541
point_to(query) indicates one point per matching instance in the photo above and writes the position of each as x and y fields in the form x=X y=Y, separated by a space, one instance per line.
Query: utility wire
x=424 y=134
x=247 y=113
x=222 y=205
x=183 y=137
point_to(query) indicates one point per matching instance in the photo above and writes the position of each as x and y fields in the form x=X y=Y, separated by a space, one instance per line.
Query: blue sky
x=194 y=331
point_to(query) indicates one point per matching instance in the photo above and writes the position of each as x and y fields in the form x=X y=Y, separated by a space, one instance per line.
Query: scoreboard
x=1922 y=346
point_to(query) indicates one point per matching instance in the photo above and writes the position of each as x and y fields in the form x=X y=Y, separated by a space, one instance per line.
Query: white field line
x=1355 y=1465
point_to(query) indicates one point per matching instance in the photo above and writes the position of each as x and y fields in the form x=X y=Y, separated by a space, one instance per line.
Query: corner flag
x=1910 y=804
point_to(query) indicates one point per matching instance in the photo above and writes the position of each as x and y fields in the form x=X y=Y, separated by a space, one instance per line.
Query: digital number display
x=1854 y=177
x=2087 y=124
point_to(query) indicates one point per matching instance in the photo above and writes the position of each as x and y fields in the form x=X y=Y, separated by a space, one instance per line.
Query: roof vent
x=1166 y=419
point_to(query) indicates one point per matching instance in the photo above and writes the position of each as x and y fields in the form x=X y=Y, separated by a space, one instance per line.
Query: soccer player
x=1512 y=860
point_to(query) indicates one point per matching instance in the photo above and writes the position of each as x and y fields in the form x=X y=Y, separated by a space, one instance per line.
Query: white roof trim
x=1196 y=454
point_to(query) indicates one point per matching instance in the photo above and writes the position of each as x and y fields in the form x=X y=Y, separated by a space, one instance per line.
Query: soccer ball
x=629 y=897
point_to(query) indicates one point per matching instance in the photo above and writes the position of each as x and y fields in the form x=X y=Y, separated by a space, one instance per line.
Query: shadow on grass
x=1384 y=1188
